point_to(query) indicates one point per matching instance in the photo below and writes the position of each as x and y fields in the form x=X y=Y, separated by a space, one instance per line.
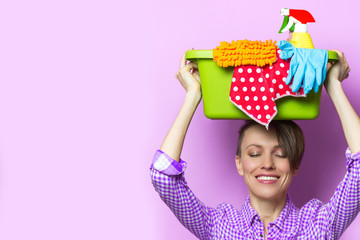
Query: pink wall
x=88 y=92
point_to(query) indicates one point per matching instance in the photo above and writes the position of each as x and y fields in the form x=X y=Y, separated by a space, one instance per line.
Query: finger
x=292 y=71
x=183 y=61
x=316 y=88
x=340 y=54
x=197 y=76
x=189 y=66
x=298 y=78
x=329 y=65
x=309 y=79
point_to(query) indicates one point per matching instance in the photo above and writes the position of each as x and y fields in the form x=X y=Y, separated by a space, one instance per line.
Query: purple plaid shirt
x=315 y=220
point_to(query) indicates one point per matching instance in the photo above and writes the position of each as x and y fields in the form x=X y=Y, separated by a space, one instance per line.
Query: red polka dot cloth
x=255 y=89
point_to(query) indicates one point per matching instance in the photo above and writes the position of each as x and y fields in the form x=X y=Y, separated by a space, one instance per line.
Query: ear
x=239 y=165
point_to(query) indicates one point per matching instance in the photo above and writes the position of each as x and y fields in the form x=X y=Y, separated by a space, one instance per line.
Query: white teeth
x=267 y=178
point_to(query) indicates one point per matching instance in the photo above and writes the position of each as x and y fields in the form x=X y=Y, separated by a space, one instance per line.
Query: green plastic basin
x=215 y=86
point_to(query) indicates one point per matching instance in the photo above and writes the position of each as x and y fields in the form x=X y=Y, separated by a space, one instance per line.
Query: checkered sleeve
x=168 y=180
x=344 y=206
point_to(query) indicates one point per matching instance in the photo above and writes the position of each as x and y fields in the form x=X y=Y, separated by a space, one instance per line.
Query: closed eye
x=255 y=155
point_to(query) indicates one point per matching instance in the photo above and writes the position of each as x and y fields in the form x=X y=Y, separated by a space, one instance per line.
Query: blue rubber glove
x=307 y=66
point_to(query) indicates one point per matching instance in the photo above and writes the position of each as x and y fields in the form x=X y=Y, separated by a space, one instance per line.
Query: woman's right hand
x=189 y=78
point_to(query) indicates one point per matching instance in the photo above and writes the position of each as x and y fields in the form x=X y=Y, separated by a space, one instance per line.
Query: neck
x=268 y=209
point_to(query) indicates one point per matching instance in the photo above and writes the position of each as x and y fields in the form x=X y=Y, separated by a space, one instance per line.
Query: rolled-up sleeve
x=168 y=180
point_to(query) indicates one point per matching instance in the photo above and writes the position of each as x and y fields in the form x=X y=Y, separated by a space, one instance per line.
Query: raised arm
x=174 y=140
x=349 y=119
x=167 y=168
x=344 y=205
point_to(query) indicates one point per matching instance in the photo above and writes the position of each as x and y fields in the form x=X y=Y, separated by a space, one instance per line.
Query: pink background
x=88 y=92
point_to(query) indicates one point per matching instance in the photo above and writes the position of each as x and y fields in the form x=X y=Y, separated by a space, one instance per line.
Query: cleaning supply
x=245 y=52
x=307 y=66
x=255 y=89
x=295 y=20
x=221 y=72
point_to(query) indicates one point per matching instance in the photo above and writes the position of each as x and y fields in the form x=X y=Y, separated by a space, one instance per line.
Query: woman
x=268 y=160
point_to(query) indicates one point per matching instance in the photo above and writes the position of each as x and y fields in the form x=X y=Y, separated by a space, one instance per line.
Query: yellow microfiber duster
x=245 y=52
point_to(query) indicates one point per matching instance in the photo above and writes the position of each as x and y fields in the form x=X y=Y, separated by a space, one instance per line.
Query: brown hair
x=289 y=135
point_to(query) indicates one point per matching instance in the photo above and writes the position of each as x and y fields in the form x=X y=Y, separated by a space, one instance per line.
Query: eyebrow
x=260 y=146
x=255 y=145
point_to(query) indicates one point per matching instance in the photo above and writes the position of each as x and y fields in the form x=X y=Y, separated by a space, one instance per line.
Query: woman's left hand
x=337 y=71
x=349 y=119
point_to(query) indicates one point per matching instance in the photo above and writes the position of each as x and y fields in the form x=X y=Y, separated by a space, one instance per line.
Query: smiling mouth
x=267 y=178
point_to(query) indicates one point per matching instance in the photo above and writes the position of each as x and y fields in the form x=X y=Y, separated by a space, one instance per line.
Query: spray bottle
x=295 y=21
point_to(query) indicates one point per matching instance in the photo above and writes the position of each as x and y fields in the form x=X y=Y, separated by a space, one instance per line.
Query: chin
x=267 y=194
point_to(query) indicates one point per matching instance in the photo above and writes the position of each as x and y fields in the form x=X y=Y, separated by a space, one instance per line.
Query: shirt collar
x=280 y=222
x=249 y=214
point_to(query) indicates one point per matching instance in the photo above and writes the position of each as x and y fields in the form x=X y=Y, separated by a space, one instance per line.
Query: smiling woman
x=268 y=160
x=264 y=164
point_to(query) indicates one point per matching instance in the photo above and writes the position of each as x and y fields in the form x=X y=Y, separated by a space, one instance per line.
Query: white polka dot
x=247 y=98
x=242 y=79
x=244 y=89
x=248 y=107
x=278 y=95
x=284 y=79
x=282 y=65
x=257 y=107
x=266 y=107
x=274 y=81
x=235 y=89
x=261 y=79
x=267 y=75
x=237 y=98
x=251 y=79
x=264 y=98
x=249 y=70
x=267 y=116
x=272 y=99
x=279 y=51
x=277 y=72
x=281 y=86
x=233 y=79
x=271 y=90
x=259 y=116
x=275 y=108
x=287 y=92
x=271 y=67
x=253 y=89
x=255 y=98
x=241 y=70
x=262 y=89
x=258 y=70
x=287 y=71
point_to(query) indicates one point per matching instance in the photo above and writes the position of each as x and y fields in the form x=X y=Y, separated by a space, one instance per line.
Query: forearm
x=177 y=195
x=174 y=140
x=349 y=119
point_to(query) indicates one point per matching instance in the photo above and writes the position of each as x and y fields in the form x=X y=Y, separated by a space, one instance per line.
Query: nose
x=268 y=163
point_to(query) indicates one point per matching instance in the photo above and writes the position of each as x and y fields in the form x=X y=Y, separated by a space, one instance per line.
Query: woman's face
x=263 y=164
